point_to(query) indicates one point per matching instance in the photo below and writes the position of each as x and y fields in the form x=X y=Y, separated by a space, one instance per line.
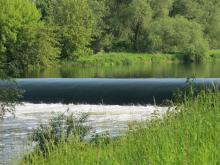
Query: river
x=14 y=131
x=154 y=70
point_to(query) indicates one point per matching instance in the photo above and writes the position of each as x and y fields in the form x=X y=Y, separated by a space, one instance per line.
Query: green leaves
x=60 y=129
x=9 y=98
x=204 y=12
x=161 y=8
x=24 y=40
x=73 y=21
x=67 y=29
x=177 y=35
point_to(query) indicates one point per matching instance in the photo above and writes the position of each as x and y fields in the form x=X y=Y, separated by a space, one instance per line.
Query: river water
x=14 y=131
x=114 y=119
x=154 y=70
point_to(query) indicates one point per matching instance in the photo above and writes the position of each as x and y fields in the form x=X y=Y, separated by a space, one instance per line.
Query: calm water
x=211 y=70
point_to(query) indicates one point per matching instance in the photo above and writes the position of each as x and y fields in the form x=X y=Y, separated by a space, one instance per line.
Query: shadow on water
x=156 y=70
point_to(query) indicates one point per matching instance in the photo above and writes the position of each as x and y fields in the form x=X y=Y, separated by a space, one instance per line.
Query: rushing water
x=207 y=70
x=114 y=119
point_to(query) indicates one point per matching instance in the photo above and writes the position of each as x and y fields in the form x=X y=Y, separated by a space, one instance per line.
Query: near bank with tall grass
x=188 y=134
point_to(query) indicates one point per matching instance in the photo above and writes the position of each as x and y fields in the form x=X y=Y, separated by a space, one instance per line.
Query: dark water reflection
x=211 y=70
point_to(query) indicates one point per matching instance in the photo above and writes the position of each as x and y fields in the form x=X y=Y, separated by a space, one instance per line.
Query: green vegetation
x=9 y=98
x=41 y=33
x=24 y=40
x=37 y=33
x=59 y=129
x=127 y=59
x=114 y=59
x=188 y=134
x=173 y=35
x=73 y=22
x=215 y=54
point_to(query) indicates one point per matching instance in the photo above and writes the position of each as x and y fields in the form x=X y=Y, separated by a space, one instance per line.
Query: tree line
x=35 y=33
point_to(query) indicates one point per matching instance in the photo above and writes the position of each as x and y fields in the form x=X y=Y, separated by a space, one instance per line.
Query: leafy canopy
x=73 y=21
x=24 y=42
x=177 y=35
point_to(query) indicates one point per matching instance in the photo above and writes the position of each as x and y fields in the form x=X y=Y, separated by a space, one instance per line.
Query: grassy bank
x=116 y=59
x=191 y=136
x=214 y=54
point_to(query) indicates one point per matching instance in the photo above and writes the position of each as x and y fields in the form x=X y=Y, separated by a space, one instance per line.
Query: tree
x=74 y=22
x=13 y=15
x=161 y=8
x=204 y=12
x=212 y=30
x=20 y=39
x=9 y=98
x=43 y=6
x=177 y=35
x=127 y=21
x=139 y=16
x=35 y=47
x=101 y=40
x=115 y=24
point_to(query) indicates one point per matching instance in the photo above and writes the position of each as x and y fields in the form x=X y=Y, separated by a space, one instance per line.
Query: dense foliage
x=73 y=21
x=9 y=98
x=24 y=40
x=173 y=35
x=35 y=33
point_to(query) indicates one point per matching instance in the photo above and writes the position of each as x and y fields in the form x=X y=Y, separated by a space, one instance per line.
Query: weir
x=104 y=91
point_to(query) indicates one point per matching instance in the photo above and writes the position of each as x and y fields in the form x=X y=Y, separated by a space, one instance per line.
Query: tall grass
x=115 y=59
x=215 y=53
x=120 y=58
x=190 y=134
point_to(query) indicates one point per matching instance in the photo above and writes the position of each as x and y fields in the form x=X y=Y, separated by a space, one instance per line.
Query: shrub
x=9 y=97
x=59 y=129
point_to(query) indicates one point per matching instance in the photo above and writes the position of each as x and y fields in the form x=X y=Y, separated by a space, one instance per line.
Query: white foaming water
x=14 y=131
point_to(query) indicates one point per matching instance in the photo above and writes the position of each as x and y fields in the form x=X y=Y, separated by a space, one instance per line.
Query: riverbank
x=126 y=59
x=112 y=59
x=191 y=135
x=116 y=59
x=122 y=59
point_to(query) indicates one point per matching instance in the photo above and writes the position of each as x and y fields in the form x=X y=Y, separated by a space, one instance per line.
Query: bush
x=59 y=129
x=9 y=98
x=177 y=35
x=24 y=40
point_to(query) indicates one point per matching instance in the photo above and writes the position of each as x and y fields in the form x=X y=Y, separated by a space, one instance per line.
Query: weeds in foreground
x=58 y=131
